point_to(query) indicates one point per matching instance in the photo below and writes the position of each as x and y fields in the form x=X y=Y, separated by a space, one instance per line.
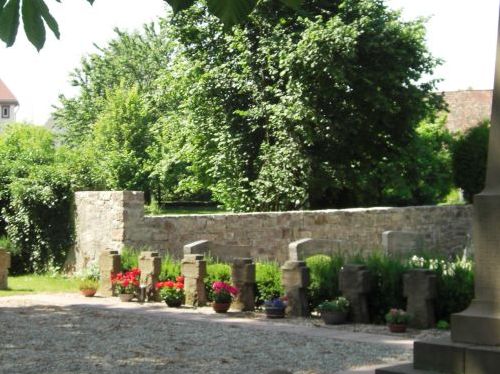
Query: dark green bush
x=268 y=281
x=16 y=266
x=324 y=275
x=470 y=152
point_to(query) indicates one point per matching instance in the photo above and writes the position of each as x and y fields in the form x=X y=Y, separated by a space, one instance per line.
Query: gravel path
x=71 y=334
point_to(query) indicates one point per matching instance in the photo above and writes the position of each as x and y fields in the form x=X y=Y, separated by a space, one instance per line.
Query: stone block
x=304 y=248
x=198 y=247
x=150 y=266
x=109 y=263
x=401 y=243
x=243 y=277
x=295 y=280
x=355 y=284
x=420 y=289
x=439 y=355
x=194 y=269
x=4 y=260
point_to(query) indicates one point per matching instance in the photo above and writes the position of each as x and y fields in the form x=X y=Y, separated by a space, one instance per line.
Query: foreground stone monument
x=109 y=263
x=4 y=269
x=420 y=290
x=243 y=276
x=355 y=284
x=475 y=332
x=295 y=280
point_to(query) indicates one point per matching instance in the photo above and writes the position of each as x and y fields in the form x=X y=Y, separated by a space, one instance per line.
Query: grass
x=29 y=284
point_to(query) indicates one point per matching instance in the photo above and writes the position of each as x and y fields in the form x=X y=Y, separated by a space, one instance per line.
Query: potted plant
x=275 y=308
x=172 y=292
x=223 y=295
x=334 y=312
x=397 y=320
x=88 y=286
x=127 y=284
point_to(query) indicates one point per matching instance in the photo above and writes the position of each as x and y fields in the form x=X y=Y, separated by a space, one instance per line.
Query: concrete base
x=445 y=356
x=478 y=324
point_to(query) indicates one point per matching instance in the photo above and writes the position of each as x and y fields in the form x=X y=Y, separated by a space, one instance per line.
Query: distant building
x=467 y=108
x=8 y=104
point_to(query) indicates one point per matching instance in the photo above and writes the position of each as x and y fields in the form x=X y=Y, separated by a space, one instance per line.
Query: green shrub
x=217 y=271
x=129 y=258
x=387 y=280
x=16 y=266
x=324 y=278
x=469 y=160
x=268 y=281
x=170 y=268
x=442 y=325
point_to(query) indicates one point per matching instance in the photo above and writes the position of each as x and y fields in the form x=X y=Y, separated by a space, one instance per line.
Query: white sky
x=462 y=34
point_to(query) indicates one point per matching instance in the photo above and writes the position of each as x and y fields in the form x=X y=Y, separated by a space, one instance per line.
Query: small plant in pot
x=88 y=286
x=397 y=320
x=127 y=284
x=172 y=292
x=223 y=296
x=334 y=312
x=275 y=308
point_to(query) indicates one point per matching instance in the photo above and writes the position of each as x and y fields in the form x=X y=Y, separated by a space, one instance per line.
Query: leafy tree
x=295 y=111
x=470 y=154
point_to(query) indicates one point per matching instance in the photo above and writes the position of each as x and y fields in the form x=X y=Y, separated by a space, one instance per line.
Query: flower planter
x=221 y=307
x=333 y=317
x=173 y=303
x=397 y=328
x=88 y=292
x=274 y=312
x=126 y=297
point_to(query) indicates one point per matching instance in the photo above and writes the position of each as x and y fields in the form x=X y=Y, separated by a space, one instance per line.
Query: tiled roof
x=467 y=108
x=6 y=95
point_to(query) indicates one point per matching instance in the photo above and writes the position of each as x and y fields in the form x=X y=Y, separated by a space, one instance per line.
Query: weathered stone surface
x=295 y=280
x=420 y=289
x=198 y=247
x=243 y=277
x=401 y=243
x=150 y=266
x=304 y=248
x=194 y=269
x=355 y=284
x=109 y=263
x=110 y=220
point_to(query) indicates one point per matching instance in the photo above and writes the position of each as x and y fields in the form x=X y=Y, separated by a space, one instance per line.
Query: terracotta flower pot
x=221 y=307
x=397 y=328
x=275 y=312
x=89 y=292
x=333 y=317
x=126 y=297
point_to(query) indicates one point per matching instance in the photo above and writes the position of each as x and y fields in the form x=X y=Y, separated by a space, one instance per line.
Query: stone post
x=109 y=263
x=150 y=266
x=295 y=280
x=194 y=269
x=420 y=289
x=355 y=284
x=4 y=269
x=243 y=275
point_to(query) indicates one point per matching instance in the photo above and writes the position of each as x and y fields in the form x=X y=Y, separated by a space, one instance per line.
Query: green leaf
x=295 y=4
x=9 y=22
x=49 y=20
x=33 y=23
x=91 y=2
x=178 y=5
x=2 y=3
x=231 y=12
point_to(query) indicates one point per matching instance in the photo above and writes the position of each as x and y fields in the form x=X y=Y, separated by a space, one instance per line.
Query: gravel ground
x=70 y=334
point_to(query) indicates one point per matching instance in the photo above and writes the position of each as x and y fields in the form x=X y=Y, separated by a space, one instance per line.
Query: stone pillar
x=295 y=280
x=4 y=269
x=355 y=284
x=243 y=276
x=109 y=263
x=194 y=269
x=150 y=266
x=420 y=289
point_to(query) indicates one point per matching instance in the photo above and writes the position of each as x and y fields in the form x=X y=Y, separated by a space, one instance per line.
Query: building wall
x=110 y=220
x=12 y=117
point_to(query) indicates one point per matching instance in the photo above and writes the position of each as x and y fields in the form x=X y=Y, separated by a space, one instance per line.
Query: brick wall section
x=467 y=108
x=110 y=220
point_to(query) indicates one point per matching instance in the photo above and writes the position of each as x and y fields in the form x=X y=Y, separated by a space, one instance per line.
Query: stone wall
x=110 y=220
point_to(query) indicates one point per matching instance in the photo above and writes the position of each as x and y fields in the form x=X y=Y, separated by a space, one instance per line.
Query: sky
x=461 y=34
